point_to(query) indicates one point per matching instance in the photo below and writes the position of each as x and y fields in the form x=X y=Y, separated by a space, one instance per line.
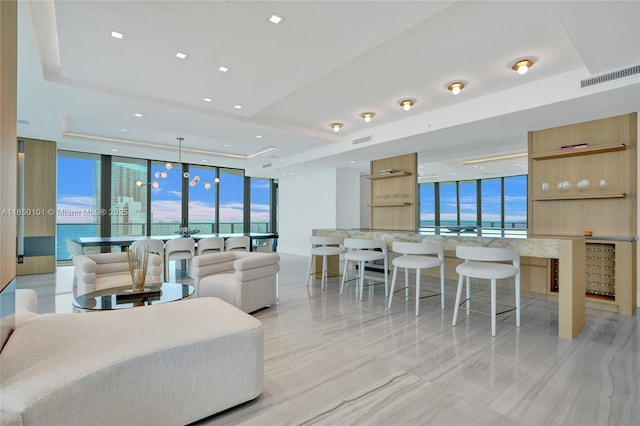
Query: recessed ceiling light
x=352 y=161
x=203 y=161
x=117 y=34
x=522 y=66
x=238 y=107
x=275 y=19
x=124 y=130
x=406 y=104
x=207 y=99
x=226 y=145
x=137 y=114
x=336 y=126
x=456 y=87
x=223 y=68
x=114 y=150
x=258 y=136
x=181 y=55
x=367 y=116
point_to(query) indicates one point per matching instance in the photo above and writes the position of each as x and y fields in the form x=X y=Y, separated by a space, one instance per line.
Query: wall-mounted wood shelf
x=579 y=196
x=389 y=204
x=580 y=151
x=394 y=202
x=390 y=175
x=611 y=212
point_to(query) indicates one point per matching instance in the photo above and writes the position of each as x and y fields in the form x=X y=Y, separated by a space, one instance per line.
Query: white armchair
x=105 y=270
x=244 y=279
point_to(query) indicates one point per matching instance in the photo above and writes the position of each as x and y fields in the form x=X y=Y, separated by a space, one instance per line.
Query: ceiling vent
x=266 y=165
x=365 y=139
x=625 y=72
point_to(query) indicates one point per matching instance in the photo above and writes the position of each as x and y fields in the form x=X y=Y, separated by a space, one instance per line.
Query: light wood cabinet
x=394 y=188
x=583 y=177
x=39 y=192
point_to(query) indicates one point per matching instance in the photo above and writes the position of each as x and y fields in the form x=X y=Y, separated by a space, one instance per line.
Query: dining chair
x=360 y=251
x=154 y=245
x=416 y=256
x=487 y=263
x=263 y=245
x=178 y=249
x=210 y=245
x=237 y=244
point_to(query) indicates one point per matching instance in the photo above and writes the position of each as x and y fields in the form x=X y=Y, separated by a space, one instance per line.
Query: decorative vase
x=138 y=258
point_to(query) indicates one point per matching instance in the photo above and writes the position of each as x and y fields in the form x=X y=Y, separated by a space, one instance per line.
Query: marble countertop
x=546 y=247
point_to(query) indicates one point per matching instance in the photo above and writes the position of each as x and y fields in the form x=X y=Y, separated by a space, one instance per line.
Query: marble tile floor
x=332 y=360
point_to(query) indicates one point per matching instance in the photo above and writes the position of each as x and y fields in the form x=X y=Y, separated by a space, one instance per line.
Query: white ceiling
x=325 y=62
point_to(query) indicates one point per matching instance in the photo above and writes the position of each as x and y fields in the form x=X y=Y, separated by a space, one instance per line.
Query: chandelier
x=163 y=174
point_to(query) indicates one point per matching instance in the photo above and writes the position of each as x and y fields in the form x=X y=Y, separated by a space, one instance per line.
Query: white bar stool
x=482 y=263
x=416 y=256
x=360 y=251
x=323 y=246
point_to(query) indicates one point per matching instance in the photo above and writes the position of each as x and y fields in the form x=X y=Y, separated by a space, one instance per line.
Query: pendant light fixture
x=163 y=174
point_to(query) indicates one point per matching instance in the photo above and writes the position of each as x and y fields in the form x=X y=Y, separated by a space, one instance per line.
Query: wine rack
x=600 y=269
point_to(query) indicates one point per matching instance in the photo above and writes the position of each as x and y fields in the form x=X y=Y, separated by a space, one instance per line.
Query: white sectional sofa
x=248 y=280
x=169 y=364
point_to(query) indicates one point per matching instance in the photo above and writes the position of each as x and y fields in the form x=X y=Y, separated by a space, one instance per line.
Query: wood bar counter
x=569 y=251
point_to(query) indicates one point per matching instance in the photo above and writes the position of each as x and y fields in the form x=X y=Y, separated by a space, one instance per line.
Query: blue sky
x=77 y=183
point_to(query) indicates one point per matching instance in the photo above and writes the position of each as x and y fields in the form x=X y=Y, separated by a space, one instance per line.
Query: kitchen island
x=570 y=252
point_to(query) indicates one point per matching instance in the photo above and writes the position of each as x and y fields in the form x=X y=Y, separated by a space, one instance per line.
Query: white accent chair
x=210 y=245
x=323 y=247
x=359 y=251
x=485 y=263
x=237 y=244
x=416 y=256
x=99 y=271
x=247 y=280
x=177 y=249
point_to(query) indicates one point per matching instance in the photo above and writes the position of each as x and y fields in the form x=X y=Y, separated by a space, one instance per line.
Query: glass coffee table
x=123 y=298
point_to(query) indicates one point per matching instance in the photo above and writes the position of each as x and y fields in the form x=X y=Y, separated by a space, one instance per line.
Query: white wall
x=312 y=201
x=638 y=216
x=347 y=198
x=365 y=201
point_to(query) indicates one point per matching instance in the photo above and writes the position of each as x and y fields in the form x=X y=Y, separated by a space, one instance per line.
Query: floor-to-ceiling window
x=145 y=197
x=78 y=201
x=448 y=204
x=260 y=213
x=166 y=198
x=128 y=200
x=427 y=205
x=231 y=216
x=492 y=204
x=515 y=202
x=202 y=198
x=468 y=203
